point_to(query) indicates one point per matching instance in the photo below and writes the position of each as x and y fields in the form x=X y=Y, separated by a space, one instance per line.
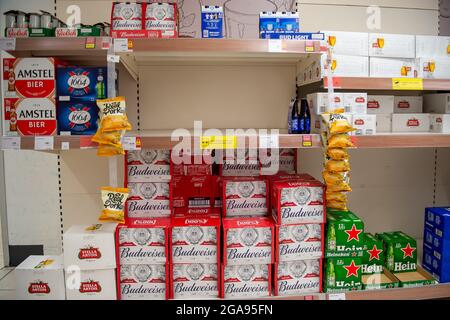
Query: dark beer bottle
x=295 y=118
x=304 y=118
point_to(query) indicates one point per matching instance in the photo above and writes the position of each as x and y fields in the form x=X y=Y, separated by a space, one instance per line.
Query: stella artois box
x=246 y=281
x=195 y=281
x=392 y=45
x=377 y=104
x=298 y=277
x=195 y=239
x=373 y=258
x=40 y=278
x=411 y=122
x=440 y=123
x=384 y=122
x=248 y=241
x=348 y=43
x=245 y=196
x=383 y=280
x=432 y=46
x=240 y=164
x=299 y=242
x=148 y=200
x=144 y=282
x=365 y=124
x=342 y=274
x=408 y=104
x=436 y=103
x=286 y=162
x=93 y=285
x=300 y=201
x=144 y=241
x=90 y=247
x=433 y=68
x=192 y=194
x=345 y=235
x=148 y=165
x=392 y=68
x=355 y=103
x=400 y=251
x=417 y=278
x=318 y=102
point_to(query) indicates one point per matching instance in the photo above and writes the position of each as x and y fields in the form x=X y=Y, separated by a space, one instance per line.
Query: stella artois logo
x=439 y=120
x=337 y=99
x=89 y=253
x=90 y=286
x=403 y=105
x=408 y=251
x=379 y=43
x=352 y=269
x=359 y=122
x=353 y=233
x=374 y=253
x=195 y=271
x=373 y=104
x=246 y=272
x=79 y=116
x=38 y=287
x=413 y=123
x=142 y=236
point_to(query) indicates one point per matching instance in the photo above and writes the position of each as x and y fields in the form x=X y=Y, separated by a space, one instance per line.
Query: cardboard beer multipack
x=384 y=122
x=148 y=200
x=392 y=68
x=408 y=104
x=298 y=277
x=365 y=124
x=279 y=22
x=373 y=258
x=433 y=68
x=392 y=45
x=212 y=22
x=40 y=278
x=432 y=46
x=342 y=274
x=318 y=102
x=246 y=281
x=348 y=43
x=415 y=122
x=240 y=163
x=383 y=280
x=436 y=103
x=440 y=123
x=144 y=282
x=438 y=219
x=148 y=165
x=94 y=285
x=286 y=163
x=377 y=104
x=400 y=251
x=417 y=278
x=192 y=194
x=355 y=102
x=191 y=165
x=245 y=196
x=195 y=281
x=440 y=269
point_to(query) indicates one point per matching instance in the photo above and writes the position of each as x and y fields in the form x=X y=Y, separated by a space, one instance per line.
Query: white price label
x=121 y=45
x=336 y=296
x=65 y=145
x=129 y=143
x=64 y=98
x=112 y=58
x=44 y=143
x=10 y=143
x=275 y=45
x=7 y=44
x=270 y=141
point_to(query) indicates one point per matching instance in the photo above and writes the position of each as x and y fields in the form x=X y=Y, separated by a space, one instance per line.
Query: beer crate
x=373 y=255
x=439 y=220
x=400 y=251
x=383 y=280
x=245 y=196
x=345 y=235
x=342 y=274
x=144 y=282
x=246 y=281
x=417 y=278
x=148 y=200
x=298 y=277
x=195 y=281
x=147 y=165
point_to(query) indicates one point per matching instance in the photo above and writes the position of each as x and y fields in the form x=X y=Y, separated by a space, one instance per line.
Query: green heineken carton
x=383 y=280
x=342 y=274
x=373 y=255
x=345 y=235
x=400 y=250
x=416 y=278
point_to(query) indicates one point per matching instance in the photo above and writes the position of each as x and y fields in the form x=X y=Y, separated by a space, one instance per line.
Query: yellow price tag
x=218 y=142
x=407 y=84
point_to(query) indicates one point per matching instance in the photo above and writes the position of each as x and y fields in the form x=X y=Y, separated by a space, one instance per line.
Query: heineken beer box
x=345 y=235
x=195 y=281
x=298 y=277
x=439 y=220
x=144 y=282
x=144 y=241
x=383 y=280
x=400 y=251
x=373 y=255
x=248 y=241
x=245 y=196
x=342 y=274
x=148 y=200
x=246 y=281
x=299 y=242
x=417 y=278
x=148 y=165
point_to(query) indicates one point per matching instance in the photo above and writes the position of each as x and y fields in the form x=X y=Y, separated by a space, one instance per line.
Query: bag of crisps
x=336 y=123
x=337 y=154
x=336 y=196
x=341 y=140
x=337 y=205
x=113 y=203
x=337 y=180
x=337 y=165
x=113 y=115
x=112 y=138
x=105 y=150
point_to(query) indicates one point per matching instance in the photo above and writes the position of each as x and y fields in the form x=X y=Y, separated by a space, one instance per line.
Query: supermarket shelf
x=398 y=140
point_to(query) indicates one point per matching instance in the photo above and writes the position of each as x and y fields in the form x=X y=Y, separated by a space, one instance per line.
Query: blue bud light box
x=77 y=117
x=82 y=83
x=212 y=22
x=279 y=22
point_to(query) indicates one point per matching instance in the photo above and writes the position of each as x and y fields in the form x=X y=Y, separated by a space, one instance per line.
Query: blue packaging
x=428 y=238
x=82 y=83
x=439 y=269
x=212 y=22
x=294 y=36
x=279 y=22
x=77 y=117
x=439 y=219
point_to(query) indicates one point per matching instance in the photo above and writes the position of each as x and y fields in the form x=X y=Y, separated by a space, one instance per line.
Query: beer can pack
x=342 y=274
x=191 y=165
x=373 y=255
x=192 y=194
x=148 y=200
x=77 y=117
x=144 y=282
x=81 y=83
x=195 y=281
x=240 y=163
x=285 y=163
x=400 y=250
x=148 y=165
x=298 y=277
x=246 y=281
x=245 y=196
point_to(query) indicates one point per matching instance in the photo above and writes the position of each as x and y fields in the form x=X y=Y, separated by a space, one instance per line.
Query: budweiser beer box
x=433 y=68
x=246 y=281
x=355 y=103
x=415 y=122
x=40 y=278
x=408 y=104
x=241 y=163
x=440 y=123
x=248 y=241
x=432 y=46
x=192 y=194
x=384 y=122
x=90 y=247
x=348 y=43
x=318 y=102
x=342 y=274
x=245 y=196
x=148 y=165
x=400 y=251
x=217 y=191
x=195 y=239
x=439 y=220
x=285 y=164
x=148 y=200
x=392 y=45
x=93 y=285
x=345 y=235
x=195 y=281
x=81 y=83
x=365 y=124
x=298 y=277
x=297 y=202
x=144 y=241
x=436 y=103
x=198 y=165
x=380 y=104
x=299 y=242
x=373 y=255
x=392 y=68
x=144 y=282
x=77 y=117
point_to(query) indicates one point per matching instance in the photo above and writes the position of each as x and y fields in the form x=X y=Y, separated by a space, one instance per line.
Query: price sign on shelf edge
x=44 y=143
x=10 y=143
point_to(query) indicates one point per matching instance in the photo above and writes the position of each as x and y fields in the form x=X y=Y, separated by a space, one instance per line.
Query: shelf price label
x=275 y=45
x=306 y=141
x=123 y=45
x=131 y=143
x=407 y=84
x=90 y=43
x=10 y=143
x=269 y=141
x=218 y=142
x=336 y=296
x=7 y=44
x=44 y=143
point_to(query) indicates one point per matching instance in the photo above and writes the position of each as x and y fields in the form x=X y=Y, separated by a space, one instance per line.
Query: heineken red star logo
x=408 y=251
x=353 y=233
x=352 y=269
x=374 y=253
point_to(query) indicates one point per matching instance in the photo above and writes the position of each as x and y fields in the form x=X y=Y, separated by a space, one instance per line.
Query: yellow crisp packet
x=336 y=196
x=337 y=180
x=339 y=141
x=113 y=203
x=106 y=150
x=337 y=166
x=112 y=138
x=336 y=123
x=337 y=154
x=339 y=188
x=339 y=205
x=113 y=114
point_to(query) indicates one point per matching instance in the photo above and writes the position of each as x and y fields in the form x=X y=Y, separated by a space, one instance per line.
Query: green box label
x=342 y=274
x=373 y=255
x=401 y=251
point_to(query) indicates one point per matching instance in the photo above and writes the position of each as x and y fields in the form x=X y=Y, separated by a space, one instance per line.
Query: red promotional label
x=373 y=105
x=90 y=287
x=413 y=123
x=36 y=117
x=35 y=77
x=38 y=287
x=439 y=120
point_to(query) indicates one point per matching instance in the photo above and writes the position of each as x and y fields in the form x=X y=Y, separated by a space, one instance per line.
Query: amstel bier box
x=400 y=251
x=373 y=255
x=345 y=235
x=298 y=277
x=342 y=274
x=40 y=278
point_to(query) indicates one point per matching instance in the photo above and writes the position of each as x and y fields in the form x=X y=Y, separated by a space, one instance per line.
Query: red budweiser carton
x=198 y=165
x=286 y=163
x=299 y=242
x=248 y=241
x=232 y=165
x=148 y=165
x=217 y=191
x=148 y=200
x=246 y=281
x=298 y=277
x=144 y=282
x=195 y=280
x=286 y=177
x=297 y=202
x=195 y=239
x=192 y=194
x=245 y=196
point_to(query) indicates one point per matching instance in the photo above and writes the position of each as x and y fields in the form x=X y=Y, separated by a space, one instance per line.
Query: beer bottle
x=295 y=119
x=100 y=86
x=331 y=238
x=390 y=258
x=331 y=276
x=11 y=81
x=12 y=119
x=304 y=118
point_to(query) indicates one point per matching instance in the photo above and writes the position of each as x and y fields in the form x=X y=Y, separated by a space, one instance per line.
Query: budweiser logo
x=247 y=223
x=195 y=280
x=298 y=242
x=249 y=245
x=90 y=286
x=301 y=205
x=38 y=288
x=148 y=165
x=127 y=16
x=246 y=281
x=89 y=253
x=148 y=200
x=194 y=244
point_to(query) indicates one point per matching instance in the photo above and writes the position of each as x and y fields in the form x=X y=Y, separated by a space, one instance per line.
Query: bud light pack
x=77 y=117
x=212 y=22
x=279 y=22
x=81 y=83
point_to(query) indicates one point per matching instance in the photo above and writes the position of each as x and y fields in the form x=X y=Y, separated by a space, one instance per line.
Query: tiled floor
x=7 y=284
